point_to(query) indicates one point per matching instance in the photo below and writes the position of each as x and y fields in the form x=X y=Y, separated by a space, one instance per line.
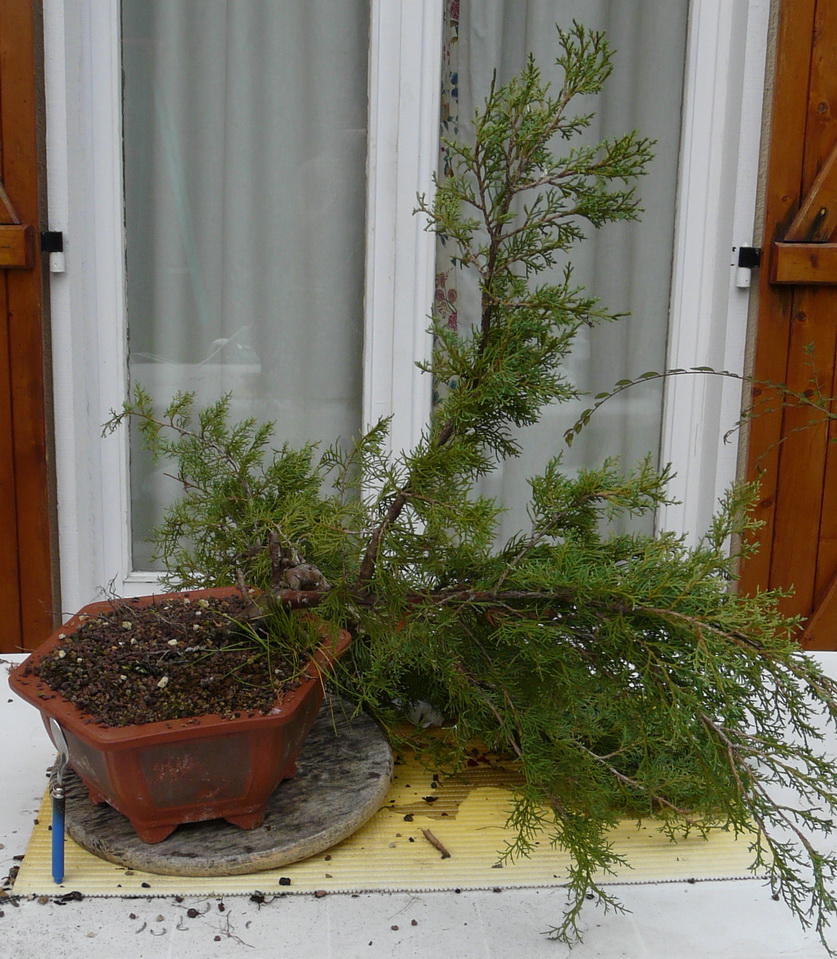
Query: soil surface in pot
x=171 y=661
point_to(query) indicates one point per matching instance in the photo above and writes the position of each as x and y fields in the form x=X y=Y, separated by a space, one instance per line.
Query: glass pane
x=245 y=151
x=626 y=265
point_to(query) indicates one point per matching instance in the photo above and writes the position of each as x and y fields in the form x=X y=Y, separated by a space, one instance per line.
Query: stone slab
x=344 y=774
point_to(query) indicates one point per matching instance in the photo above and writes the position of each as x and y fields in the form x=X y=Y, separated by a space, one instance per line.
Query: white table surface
x=707 y=920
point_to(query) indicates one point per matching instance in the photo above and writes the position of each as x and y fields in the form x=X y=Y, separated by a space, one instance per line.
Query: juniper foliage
x=622 y=672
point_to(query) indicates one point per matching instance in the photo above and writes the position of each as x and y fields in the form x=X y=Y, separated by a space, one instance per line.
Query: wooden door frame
x=28 y=585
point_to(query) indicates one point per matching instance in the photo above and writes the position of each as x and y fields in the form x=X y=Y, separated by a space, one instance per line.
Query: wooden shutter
x=792 y=449
x=27 y=601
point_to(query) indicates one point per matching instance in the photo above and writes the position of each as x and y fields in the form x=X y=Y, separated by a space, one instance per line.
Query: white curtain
x=626 y=265
x=245 y=147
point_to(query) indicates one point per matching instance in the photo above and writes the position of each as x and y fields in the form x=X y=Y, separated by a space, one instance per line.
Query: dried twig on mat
x=428 y=835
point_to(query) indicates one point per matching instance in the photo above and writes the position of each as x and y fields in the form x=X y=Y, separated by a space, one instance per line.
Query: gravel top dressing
x=170 y=661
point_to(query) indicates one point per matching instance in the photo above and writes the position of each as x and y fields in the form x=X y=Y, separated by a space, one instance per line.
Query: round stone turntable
x=343 y=776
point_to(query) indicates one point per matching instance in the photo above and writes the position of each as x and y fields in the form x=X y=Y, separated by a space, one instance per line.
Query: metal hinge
x=749 y=259
x=52 y=245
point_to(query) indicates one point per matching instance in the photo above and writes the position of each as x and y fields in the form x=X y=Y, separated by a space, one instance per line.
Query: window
x=626 y=265
x=244 y=130
x=718 y=131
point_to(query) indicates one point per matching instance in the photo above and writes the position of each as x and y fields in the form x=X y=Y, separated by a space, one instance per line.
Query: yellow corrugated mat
x=391 y=852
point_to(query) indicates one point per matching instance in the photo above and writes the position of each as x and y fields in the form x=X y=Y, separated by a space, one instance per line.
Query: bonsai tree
x=623 y=672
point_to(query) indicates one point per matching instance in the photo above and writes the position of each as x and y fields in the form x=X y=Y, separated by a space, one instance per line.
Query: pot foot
x=153 y=834
x=96 y=797
x=249 y=820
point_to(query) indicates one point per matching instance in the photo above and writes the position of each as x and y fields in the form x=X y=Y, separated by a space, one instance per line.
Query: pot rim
x=80 y=724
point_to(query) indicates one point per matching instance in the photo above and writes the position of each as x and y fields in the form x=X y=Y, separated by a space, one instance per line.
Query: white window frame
x=83 y=96
x=716 y=209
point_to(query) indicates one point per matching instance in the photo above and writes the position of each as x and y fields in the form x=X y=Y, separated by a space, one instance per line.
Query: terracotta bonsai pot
x=162 y=774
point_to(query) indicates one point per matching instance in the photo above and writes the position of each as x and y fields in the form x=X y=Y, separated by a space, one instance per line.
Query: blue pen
x=57 y=791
